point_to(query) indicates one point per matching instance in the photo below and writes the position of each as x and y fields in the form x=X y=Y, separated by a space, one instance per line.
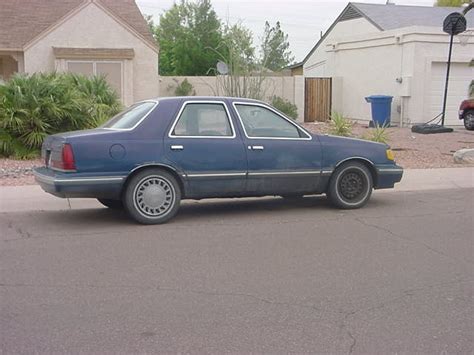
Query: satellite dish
x=454 y=23
x=222 y=68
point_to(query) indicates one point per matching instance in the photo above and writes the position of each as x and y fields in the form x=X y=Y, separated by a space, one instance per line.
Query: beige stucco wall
x=92 y=27
x=315 y=65
x=396 y=63
x=290 y=88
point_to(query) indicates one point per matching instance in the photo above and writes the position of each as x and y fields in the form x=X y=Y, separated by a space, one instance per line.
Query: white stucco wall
x=316 y=65
x=290 y=88
x=396 y=63
x=92 y=27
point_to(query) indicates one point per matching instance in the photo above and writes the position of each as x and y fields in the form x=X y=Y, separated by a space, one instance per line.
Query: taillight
x=67 y=162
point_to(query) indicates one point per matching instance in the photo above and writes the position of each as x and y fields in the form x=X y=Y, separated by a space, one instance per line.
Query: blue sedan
x=158 y=152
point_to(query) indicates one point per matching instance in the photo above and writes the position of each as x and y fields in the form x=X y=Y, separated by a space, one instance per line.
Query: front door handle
x=256 y=147
x=177 y=147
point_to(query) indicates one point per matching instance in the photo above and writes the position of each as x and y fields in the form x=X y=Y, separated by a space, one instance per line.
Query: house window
x=113 y=71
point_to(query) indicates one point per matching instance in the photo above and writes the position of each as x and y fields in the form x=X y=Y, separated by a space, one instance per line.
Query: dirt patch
x=412 y=151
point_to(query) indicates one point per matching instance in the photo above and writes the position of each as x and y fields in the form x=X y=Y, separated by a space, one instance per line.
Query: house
x=393 y=50
x=108 y=37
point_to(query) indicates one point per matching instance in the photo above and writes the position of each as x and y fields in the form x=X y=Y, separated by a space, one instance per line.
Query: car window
x=130 y=117
x=259 y=121
x=203 y=120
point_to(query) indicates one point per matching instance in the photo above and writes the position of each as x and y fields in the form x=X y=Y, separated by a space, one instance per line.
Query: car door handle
x=256 y=147
x=177 y=147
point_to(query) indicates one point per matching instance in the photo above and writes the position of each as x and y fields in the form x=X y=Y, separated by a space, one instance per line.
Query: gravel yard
x=411 y=151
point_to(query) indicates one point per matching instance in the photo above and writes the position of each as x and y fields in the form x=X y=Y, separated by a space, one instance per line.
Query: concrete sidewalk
x=33 y=198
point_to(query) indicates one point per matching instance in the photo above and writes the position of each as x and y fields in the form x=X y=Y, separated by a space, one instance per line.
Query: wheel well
x=368 y=164
x=157 y=166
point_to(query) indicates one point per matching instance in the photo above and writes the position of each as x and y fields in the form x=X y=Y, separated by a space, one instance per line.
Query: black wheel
x=469 y=120
x=113 y=204
x=152 y=197
x=350 y=186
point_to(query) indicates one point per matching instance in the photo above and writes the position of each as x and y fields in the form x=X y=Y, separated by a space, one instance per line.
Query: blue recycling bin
x=381 y=109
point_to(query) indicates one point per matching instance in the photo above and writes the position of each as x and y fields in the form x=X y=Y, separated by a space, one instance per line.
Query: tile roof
x=23 y=20
x=389 y=17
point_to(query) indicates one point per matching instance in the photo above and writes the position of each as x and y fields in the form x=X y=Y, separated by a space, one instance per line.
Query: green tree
x=275 y=48
x=187 y=33
x=453 y=3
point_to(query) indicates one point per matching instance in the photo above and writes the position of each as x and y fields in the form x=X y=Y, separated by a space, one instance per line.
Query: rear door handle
x=177 y=147
x=256 y=147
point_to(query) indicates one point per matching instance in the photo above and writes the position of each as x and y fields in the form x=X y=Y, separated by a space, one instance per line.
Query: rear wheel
x=350 y=186
x=469 y=120
x=113 y=204
x=152 y=197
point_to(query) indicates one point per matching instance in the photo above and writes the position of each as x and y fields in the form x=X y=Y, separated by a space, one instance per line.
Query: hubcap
x=154 y=196
x=352 y=185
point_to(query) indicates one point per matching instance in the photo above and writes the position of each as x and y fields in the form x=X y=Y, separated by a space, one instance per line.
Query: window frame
x=141 y=119
x=235 y=103
x=94 y=69
x=180 y=112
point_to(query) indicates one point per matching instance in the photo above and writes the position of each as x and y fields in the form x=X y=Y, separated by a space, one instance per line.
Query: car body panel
x=206 y=166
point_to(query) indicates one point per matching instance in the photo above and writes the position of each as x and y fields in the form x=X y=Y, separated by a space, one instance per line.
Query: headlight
x=390 y=155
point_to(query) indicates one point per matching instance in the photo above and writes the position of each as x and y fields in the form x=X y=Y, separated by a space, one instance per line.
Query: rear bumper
x=388 y=176
x=76 y=185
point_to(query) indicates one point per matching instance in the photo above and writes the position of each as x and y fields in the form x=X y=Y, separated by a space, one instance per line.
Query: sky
x=302 y=20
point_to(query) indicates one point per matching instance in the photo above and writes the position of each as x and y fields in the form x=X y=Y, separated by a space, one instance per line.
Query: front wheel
x=469 y=120
x=152 y=197
x=350 y=186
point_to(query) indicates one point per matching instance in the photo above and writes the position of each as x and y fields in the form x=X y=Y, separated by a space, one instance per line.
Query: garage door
x=459 y=78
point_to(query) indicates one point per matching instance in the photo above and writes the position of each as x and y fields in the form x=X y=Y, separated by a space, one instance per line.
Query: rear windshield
x=131 y=116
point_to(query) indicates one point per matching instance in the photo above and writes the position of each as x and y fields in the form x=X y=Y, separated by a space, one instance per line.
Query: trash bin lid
x=375 y=97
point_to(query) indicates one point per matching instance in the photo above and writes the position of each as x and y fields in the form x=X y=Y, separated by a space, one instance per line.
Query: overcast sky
x=303 y=20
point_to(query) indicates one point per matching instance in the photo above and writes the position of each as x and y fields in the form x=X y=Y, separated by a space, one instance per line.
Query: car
x=466 y=113
x=158 y=152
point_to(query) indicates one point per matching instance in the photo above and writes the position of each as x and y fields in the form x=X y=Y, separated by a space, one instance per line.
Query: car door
x=282 y=157
x=204 y=144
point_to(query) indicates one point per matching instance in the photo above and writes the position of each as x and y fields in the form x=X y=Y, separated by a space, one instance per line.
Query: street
x=250 y=275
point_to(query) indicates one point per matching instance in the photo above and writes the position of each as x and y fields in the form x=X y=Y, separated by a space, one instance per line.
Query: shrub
x=340 y=126
x=377 y=134
x=285 y=106
x=35 y=106
x=185 y=89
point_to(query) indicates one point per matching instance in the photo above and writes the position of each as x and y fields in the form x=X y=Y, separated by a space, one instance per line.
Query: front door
x=282 y=157
x=204 y=144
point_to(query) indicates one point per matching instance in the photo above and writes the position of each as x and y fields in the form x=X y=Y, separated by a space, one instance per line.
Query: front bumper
x=67 y=185
x=388 y=176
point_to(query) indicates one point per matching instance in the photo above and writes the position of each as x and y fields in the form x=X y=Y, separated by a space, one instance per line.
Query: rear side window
x=130 y=117
x=203 y=120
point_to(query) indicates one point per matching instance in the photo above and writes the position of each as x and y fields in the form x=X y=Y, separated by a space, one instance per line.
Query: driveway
x=253 y=275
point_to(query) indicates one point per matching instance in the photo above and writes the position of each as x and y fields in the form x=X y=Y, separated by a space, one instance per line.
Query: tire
x=112 y=204
x=350 y=186
x=152 y=197
x=469 y=120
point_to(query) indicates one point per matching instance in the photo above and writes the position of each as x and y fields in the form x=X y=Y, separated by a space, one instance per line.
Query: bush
x=35 y=106
x=340 y=126
x=285 y=106
x=377 y=134
x=185 y=89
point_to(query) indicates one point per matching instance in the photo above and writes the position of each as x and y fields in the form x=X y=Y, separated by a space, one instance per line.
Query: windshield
x=131 y=116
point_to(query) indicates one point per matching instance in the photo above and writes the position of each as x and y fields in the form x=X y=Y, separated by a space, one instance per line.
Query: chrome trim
x=309 y=172
x=170 y=135
x=139 y=122
x=326 y=172
x=235 y=103
x=51 y=180
x=214 y=175
x=356 y=157
x=258 y=147
x=389 y=170
x=177 y=147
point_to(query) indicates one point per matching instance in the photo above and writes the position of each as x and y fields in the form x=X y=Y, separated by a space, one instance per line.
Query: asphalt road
x=258 y=275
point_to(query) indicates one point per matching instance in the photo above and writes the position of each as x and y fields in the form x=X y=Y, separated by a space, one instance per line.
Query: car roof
x=207 y=98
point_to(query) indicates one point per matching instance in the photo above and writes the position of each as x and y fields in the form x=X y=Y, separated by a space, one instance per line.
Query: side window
x=203 y=120
x=261 y=122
